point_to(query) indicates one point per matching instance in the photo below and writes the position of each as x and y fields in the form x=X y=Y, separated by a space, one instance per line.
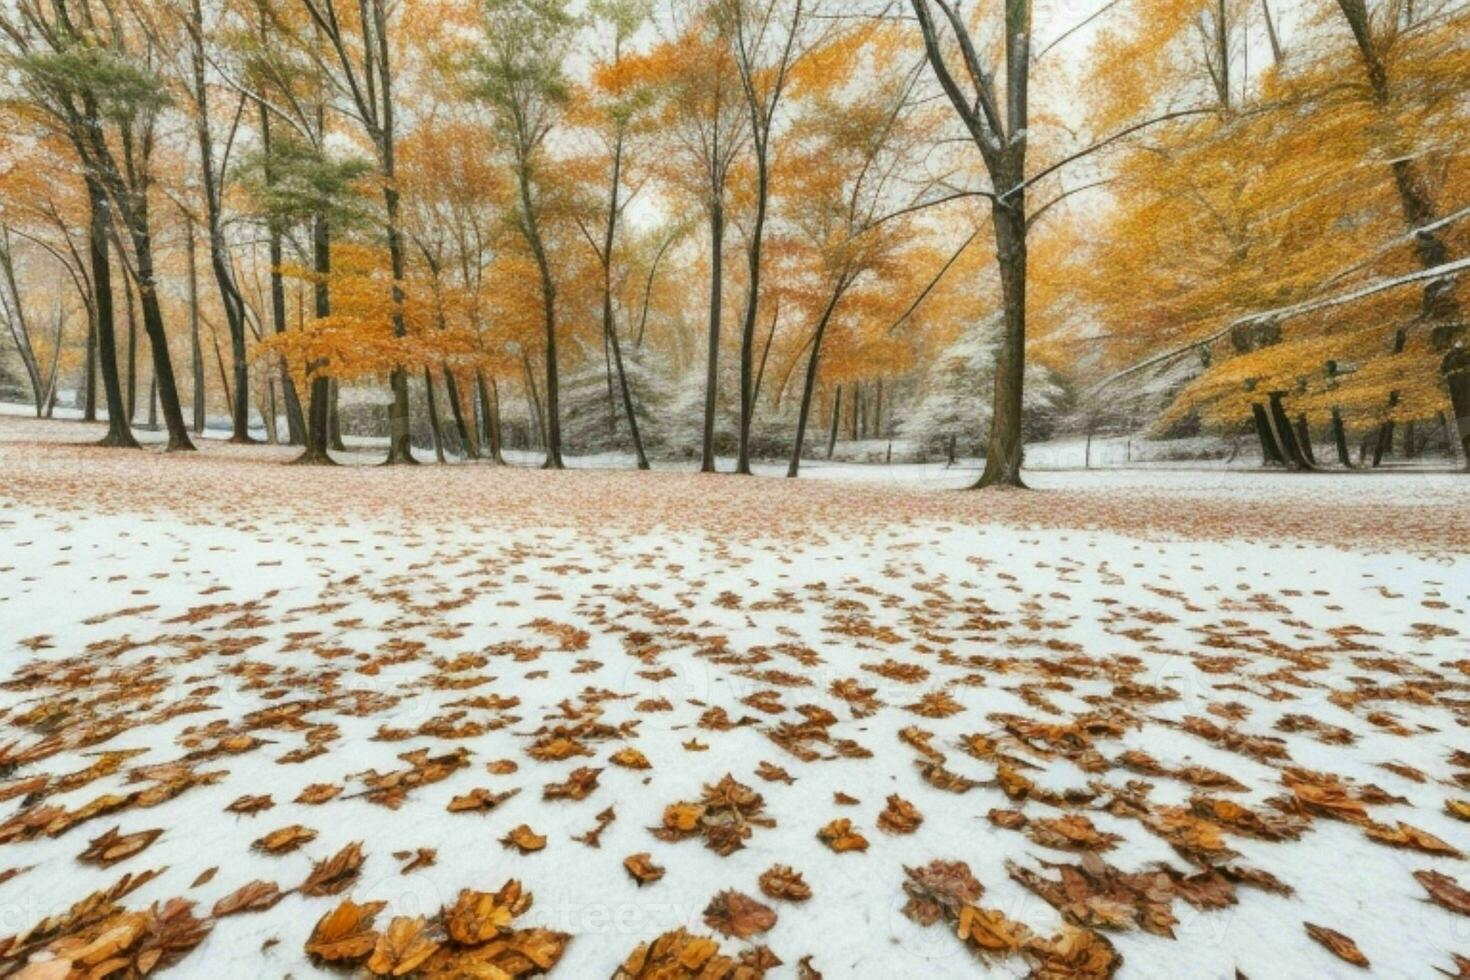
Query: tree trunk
x=433 y=415
x=1285 y=437
x=1003 y=454
x=319 y=409
x=89 y=384
x=118 y=433
x=490 y=412
x=712 y=369
x=468 y=437
x=810 y=385
x=1339 y=439
x=334 y=419
x=163 y=370
x=132 y=348
x=1304 y=438
x=295 y=419
x=752 y=303
x=1271 y=454
x=196 y=352
x=836 y=421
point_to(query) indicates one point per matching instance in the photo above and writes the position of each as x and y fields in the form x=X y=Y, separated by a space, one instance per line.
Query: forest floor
x=1201 y=721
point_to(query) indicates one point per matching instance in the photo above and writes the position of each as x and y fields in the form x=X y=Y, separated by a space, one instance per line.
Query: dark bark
x=319 y=407
x=132 y=348
x=1271 y=454
x=468 y=438
x=118 y=433
x=1285 y=437
x=1003 y=453
x=712 y=367
x=163 y=370
x=433 y=415
x=490 y=413
x=609 y=327
x=295 y=418
x=810 y=385
x=89 y=383
x=836 y=421
x=196 y=351
x=1304 y=439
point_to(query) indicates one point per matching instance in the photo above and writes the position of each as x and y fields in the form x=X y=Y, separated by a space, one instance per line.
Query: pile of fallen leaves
x=477 y=937
x=724 y=816
x=946 y=890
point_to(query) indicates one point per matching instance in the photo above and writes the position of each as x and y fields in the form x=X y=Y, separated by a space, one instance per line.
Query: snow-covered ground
x=1075 y=677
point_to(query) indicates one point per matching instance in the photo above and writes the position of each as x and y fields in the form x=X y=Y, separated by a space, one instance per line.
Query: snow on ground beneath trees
x=1171 y=716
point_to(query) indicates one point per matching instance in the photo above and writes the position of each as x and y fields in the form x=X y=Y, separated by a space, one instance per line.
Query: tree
x=519 y=75
x=707 y=122
x=96 y=83
x=617 y=104
x=359 y=67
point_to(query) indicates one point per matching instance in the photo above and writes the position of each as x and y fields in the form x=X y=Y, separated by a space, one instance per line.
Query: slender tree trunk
x=118 y=433
x=132 y=349
x=468 y=437
x=433 y=416
x=163 y=371
x=836 y=421
x=490 y=412
x=153 y=404
x=712 y=368
x=810 y=385
x=89 y=384
x=551 y=424
x=334 y=418
x=752 y=303
x=295 y=418
x=319 y=409
x=196 y=352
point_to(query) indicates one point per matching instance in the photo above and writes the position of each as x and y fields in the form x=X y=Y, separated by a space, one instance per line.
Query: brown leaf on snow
x=989 y=931
x=899 y=816
x=630 y=758
x=642 y=868
x=939 y=890
x=248 y=805
x=738 y=915
x=254 y=897
x=479 y=799
x=318 y=793
x=1072 y=832
x=422 y=857
x=111 y=847
x=579 y=784
x=524 y=839
x=840 y=836
x=478 y=917
x=284 y=840
x=780 y=881
x=336 y=873
x=1445 y=891
x=1339 y=945
x=679 y=955
x=403 y=946
x=1407 y=835
x=526 y=952
x=345 y=934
